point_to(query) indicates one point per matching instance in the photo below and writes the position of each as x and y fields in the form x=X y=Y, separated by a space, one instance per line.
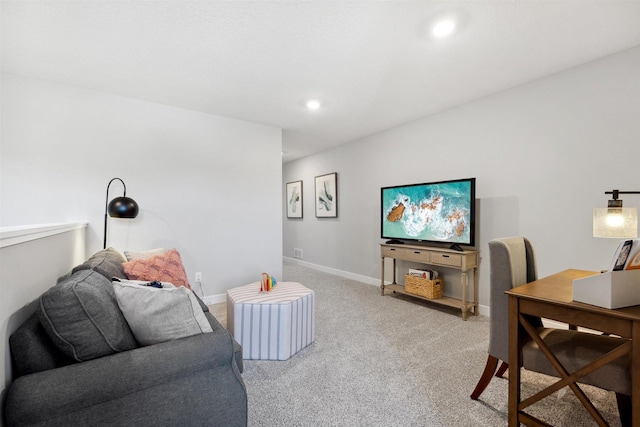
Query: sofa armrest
x=62 y=391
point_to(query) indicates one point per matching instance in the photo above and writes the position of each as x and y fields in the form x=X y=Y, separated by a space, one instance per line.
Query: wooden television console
x=459 y=260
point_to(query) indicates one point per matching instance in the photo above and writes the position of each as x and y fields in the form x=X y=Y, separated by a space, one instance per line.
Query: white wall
x=543 y=155
x=206 y=185
x=28 y=269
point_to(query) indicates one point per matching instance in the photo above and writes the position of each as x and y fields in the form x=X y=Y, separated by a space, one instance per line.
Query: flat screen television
x=434 y=212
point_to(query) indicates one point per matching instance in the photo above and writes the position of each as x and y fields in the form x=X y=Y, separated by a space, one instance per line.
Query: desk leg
x=514 y=361
x=635 y=373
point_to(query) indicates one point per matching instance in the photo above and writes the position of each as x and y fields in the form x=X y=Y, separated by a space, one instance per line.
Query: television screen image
x=441 y=212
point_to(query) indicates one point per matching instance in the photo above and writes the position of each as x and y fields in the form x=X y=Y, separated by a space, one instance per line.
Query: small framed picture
x=294 y=199
x=327 y=196
x=622 y=253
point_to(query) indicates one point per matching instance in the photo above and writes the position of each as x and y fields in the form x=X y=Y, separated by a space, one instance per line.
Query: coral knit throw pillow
x=165 y=268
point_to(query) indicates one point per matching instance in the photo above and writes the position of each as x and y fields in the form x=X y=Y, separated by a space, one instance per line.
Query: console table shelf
x=464 y=261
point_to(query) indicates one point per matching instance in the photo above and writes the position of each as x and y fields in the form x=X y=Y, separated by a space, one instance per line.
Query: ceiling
x=372 y=64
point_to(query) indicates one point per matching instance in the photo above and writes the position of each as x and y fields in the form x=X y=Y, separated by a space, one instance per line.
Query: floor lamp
x=120 y=207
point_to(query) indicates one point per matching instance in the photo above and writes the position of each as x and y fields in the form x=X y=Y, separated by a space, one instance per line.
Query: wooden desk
x=551 y=298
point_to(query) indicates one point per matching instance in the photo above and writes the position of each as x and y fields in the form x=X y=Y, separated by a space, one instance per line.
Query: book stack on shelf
x=423 y=274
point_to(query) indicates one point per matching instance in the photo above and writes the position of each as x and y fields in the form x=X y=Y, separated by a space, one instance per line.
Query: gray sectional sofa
x=76 y=363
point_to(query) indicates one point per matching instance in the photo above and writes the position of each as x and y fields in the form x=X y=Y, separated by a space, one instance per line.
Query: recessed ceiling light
x=313 y=104
x=443 y=28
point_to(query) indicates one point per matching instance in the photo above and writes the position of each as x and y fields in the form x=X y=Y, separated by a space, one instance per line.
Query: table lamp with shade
x=615 y=221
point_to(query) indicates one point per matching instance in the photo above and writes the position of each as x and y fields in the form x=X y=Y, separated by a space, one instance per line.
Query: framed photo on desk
x=621 y=255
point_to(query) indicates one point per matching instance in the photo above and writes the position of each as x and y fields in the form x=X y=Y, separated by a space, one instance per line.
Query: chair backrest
x=513 y=263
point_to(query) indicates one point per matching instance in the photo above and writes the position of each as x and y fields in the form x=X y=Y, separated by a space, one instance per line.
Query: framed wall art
x=327 y=196
x=294 y=199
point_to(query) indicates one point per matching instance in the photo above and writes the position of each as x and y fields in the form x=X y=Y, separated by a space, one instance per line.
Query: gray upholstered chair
x=513 y=263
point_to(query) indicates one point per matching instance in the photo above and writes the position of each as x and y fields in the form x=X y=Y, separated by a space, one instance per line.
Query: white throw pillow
x=131 y=255
x=157 y=315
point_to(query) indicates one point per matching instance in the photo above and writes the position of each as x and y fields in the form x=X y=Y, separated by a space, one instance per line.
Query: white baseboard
x=214 y=299
x=347 y=275
x=483 y=310
x=217 y=299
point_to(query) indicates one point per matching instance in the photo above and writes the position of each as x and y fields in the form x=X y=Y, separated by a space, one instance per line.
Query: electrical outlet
x=197 y=286
x=297 y=253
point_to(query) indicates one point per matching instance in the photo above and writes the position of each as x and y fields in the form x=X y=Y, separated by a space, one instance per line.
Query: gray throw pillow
x=82 y=318
x=107 y=262
x=160 y=314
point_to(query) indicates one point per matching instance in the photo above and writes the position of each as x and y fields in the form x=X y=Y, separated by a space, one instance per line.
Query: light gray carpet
x=392 y=361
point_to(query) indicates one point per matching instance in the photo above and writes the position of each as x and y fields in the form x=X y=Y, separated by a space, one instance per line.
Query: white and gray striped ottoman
x=272 y=325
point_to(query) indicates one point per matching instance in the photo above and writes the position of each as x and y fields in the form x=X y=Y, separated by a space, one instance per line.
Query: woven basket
x=431 y=289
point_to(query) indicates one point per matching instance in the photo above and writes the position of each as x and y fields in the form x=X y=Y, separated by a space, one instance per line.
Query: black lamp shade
x=120 y=207
x=123 y=207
